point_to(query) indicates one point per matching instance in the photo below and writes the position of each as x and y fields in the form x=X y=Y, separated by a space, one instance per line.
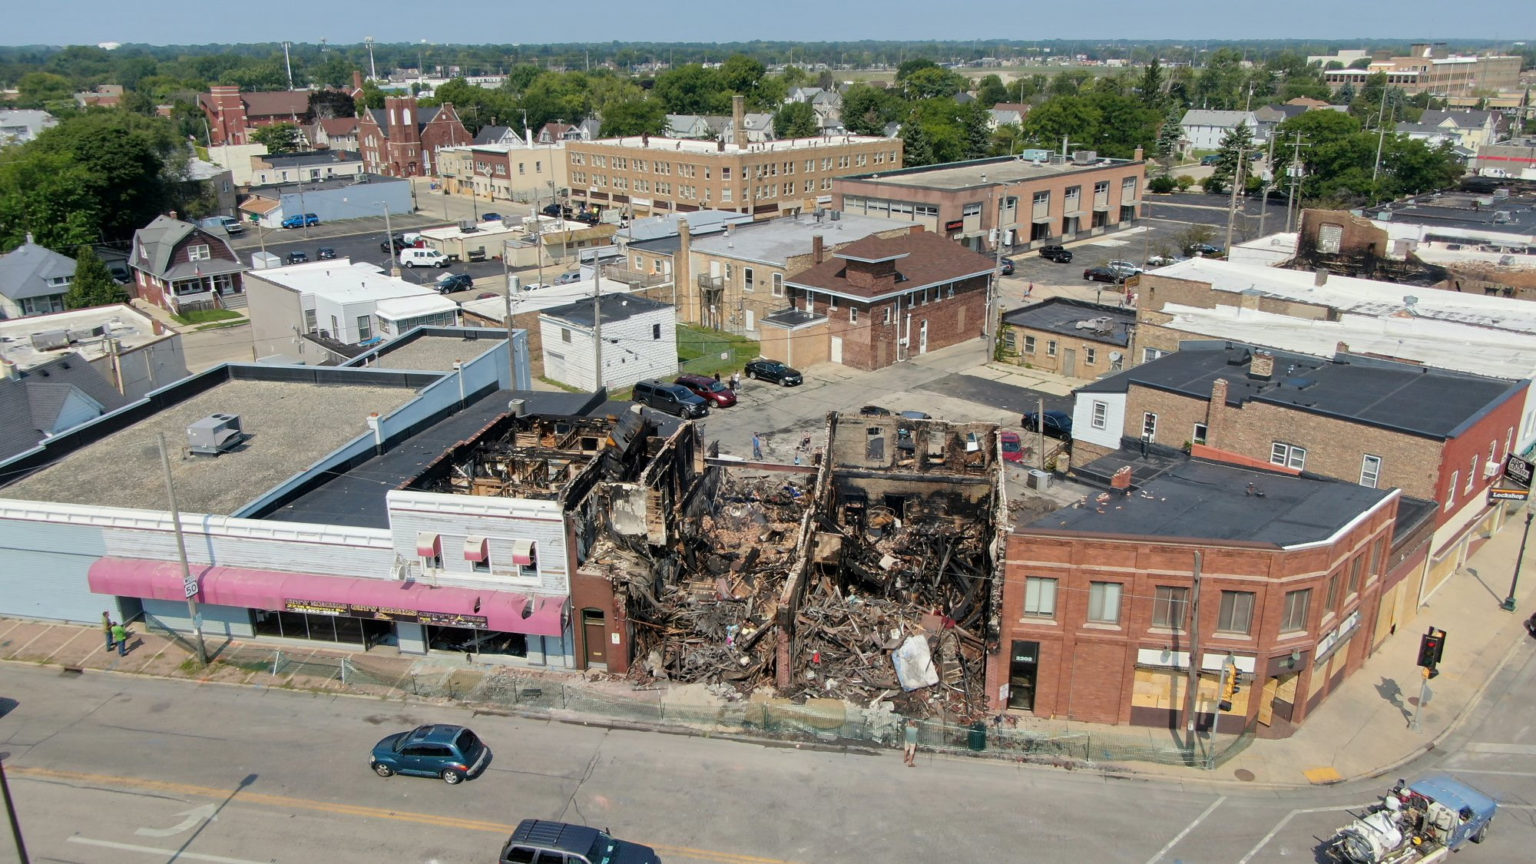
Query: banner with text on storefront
x=385 y=613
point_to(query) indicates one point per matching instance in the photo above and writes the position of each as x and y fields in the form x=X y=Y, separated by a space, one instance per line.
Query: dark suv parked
x=542 y=840
x=1059 y=254
x=773 y=370
x=674 y=399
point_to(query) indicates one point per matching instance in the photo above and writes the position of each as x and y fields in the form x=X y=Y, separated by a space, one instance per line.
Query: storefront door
x=595 y=635
x=1023 y=667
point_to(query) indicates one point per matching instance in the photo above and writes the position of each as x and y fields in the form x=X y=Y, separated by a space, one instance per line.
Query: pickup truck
x=1415 y=824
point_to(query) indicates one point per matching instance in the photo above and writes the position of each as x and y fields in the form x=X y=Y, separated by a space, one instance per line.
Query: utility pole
x=187 y=581
x=1269 y=163
x=513 y=284
x=1509 y=602
x=1040 y=433
x=1381 y=138
x=10 y=810
x=989 y=319
x=1295 y=171
x=1237 y=180
x=1193 y=685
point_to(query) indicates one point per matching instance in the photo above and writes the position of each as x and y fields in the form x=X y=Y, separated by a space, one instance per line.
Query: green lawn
x=206 y=316
x=699 y=351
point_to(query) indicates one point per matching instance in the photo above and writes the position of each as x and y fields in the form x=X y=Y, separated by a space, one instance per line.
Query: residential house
x=695 y=126
x=49 y=399
x=402 y=140
x=1072 y=338
x=333 y=133
x=880 y=301
x=1474 y=130
x=498 y=135
x=555 y=132
x=211 y=185
x=492 y=312
x=20 y=125
x=102 y=96
x=307 y=166
x=1068 y=197
x=1098 y=618
x=317 y=312
x=637 y=339
x=1355 y=418
x=179 y=266
x=756 y=127
x=232 y=116
x=1007 y=114
x=33 y=280
x=1204 y=130
x=129 y=349
x=1270 y=116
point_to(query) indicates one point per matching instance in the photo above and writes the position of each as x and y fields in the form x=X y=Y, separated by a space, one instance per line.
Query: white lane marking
x=1187 y=828
x=1459 y=770
x=1495 y=747
x=168 y=854
x=1276 y=830
x=194 y=816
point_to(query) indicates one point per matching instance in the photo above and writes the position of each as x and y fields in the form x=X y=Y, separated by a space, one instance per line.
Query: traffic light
x=1431 y=648
x=1229 y=688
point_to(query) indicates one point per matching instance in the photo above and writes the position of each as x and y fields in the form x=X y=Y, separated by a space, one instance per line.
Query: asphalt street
x=109 y=768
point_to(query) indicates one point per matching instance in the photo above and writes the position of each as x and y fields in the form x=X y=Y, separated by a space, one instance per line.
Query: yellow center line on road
x=285 y=801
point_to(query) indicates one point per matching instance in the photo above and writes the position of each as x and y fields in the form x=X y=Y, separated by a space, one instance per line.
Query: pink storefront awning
x=272 y=590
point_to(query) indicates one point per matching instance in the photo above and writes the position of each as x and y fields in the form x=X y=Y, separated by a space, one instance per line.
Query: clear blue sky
x=73 y=22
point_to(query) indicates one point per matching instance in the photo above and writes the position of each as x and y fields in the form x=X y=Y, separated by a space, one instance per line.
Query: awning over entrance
x=385 y=599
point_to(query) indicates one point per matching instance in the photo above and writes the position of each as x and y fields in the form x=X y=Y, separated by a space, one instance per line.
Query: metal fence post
x=277 y=657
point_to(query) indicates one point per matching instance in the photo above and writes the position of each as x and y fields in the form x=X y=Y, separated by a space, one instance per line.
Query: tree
x=1170 y=137
x=917 y=148
x=916 y=64
x=742 y=74
x=132 y=165
x=1232 y=159
x=329 y=105
x=1064 y=117
x=38 y=89
x=934 y=83
x=279 y=138
x=990 y=91
x=638 y=116
x=48 y=195
x=691 y=89
x=1150 y=89
x=866 y=109
x=795 y=120
x=92 y=284
x=372 y=96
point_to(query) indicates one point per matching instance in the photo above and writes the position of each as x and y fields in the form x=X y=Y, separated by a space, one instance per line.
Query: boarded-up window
x=1329 y=237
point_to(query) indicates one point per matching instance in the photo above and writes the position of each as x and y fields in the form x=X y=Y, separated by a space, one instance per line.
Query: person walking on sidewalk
x=120 y=634
x=757 y=448
x=909 y=748
x=106 y=626
x=735 y=381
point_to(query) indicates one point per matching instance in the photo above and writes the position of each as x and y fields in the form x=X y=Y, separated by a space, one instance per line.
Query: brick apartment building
x=402 y=139
x=1069 y=337
x=1431 y=68
x=643 y=175
x=1039 y=197
x=1438 y=436
x=1098 y=600
x=880 y=301
x=232 y=116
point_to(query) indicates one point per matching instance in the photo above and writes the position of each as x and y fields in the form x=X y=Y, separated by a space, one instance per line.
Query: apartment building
x=1431 y=68
x=1038 y=197
x=642 y=175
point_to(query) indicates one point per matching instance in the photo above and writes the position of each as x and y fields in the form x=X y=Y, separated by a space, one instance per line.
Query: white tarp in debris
x=914 y=665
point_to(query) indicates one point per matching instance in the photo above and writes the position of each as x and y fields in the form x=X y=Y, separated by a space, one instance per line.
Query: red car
x=709 y=390
x=1013 y=448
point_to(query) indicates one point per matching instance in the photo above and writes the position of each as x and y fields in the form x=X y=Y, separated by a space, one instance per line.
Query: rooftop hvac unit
x=1085 y=157
x=214 y=434
x=50 y=340
x=1100 y=325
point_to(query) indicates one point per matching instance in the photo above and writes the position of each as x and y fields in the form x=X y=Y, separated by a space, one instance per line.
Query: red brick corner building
x=402 y=139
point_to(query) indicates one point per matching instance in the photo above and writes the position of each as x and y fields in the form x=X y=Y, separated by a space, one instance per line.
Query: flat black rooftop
x=1063 y=315
x=354 y=497
x=1208 y=501
x=615 y=308
x=1512 y=215
x=1432 y=403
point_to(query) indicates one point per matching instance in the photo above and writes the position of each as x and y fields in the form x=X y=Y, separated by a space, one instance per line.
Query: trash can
x=977 y=739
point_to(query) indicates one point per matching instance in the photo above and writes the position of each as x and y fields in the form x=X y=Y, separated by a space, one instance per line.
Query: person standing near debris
x=909 y=748
x=757 y=448
x=120 y=633
x=735 y=381
x=106 y=626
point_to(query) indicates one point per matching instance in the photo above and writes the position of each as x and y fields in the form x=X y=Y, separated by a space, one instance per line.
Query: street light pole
x=10 y=810
x=187 y=581
x=1509 y=602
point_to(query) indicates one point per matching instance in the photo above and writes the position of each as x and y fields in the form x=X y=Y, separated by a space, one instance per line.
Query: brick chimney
x=682 y=272
x=1219 y=392
x=818 y=249
x=739 y=119
x=1262 y=365
x=1139 y=155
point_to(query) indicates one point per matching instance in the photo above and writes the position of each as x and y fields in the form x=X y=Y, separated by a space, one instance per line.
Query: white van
x=422 y=258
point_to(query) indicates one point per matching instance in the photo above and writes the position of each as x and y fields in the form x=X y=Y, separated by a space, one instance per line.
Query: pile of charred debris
x=743 y=607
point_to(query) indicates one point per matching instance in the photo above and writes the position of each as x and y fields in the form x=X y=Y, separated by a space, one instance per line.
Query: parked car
x=297 y=257
x=451 y=282
x=556 y=210
x=1124 y=268
x=453 y=753
x=874 y=411
x=325 y=253
x=486 y=295
x=1211 y=159
x=916 y=415
x=674 y=399
x=1007 y=266
x=570 y=278
x=1012 y=447
x=490 y=217
x=772 y=370
x=298 y=221
x=395 y=244
x=1103 y=274
x=1058 y=424
x=542 y=840
x=708 y=389
x=1204 y=250
x=1059 y=254
x=1162 y=261
x=414 y=257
